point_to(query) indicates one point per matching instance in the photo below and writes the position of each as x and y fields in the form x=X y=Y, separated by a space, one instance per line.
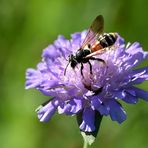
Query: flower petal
x=129 y=96
x=95 y=102
x=120 y=41
x=137 y=48
x=135 y=59
x=139 y=75
x=63 y=45
x=99 y=106
x=103 y=110
x=33 y=78
x=116 y=111
x=51 y=52
x=141 y=93
x=45 y=112
x=88 y=119
x=72 y=107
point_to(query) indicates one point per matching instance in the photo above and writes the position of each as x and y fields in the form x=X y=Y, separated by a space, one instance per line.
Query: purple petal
x=51 y=52
x=139 y=75
x=130 y=99
x=134 y=48
x=34 y=78
x=88 y=119
x=97 y=104
x=140 y=71
x=127 y=95
x=45 y=112
x=120 y=93
x=141 y=93
x=42 y=67
x=145 y=55
x=120 y=41
x=76 y=38
x=103 y=110
x=72 y=107
x=116 y=111
x=135 y=59
x=63 y=45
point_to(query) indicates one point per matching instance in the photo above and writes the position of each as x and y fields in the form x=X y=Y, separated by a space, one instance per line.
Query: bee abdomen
x=107 y=40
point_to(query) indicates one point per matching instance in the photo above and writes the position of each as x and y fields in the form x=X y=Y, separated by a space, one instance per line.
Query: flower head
x=100 y=91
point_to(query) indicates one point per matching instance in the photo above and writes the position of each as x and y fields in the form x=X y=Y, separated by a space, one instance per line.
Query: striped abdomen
x=107 y=39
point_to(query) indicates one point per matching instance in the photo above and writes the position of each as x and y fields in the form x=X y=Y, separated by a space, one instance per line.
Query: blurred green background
x=27 y=27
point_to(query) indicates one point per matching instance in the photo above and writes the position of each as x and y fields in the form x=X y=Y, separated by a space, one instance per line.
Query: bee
x=94 y=43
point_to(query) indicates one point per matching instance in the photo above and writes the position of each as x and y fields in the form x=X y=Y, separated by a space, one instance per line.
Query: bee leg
x=90 y=67
x=66 y=68
x=97 y=59
x=82 y=70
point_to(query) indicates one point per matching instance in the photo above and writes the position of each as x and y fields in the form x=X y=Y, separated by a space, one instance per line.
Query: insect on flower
x=95 y=42
x=93 y=96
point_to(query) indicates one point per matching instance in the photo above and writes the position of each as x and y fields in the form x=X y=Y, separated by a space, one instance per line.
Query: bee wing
x=96 y=53
x=112 y=47
x=95 y=30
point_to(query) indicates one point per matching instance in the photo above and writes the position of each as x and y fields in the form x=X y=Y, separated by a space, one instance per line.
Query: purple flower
x=73 y=94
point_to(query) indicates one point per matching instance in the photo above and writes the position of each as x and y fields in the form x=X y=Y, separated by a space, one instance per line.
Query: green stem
x=85 y=145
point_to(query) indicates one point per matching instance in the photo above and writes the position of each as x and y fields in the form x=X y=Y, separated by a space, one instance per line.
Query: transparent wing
x=112 y=47
x=95 y=30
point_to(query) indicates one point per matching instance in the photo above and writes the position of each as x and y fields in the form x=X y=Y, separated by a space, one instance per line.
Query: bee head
x=72 y=60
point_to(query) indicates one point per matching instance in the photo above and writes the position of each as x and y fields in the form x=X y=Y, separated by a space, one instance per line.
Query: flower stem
x=85 y=145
